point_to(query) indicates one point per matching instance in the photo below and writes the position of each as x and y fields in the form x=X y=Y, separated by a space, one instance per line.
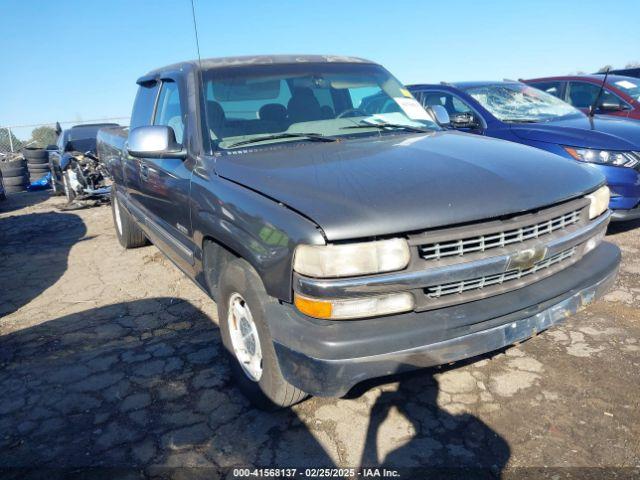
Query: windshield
x=515 y=102
x=630 y=86
x=273 y=103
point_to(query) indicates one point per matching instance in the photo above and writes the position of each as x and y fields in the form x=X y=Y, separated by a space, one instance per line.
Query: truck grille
x=438 y=291
x=481 y=243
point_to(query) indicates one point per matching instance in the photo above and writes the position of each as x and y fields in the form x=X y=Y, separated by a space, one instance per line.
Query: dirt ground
x=113 y=358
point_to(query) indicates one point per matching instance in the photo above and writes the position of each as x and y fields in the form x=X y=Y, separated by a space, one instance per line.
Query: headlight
x=343 y=309
x=325 y=261
x=604 y=157
x=599 y=202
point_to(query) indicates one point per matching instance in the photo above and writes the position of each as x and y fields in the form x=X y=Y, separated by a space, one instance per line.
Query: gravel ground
x=113 y=358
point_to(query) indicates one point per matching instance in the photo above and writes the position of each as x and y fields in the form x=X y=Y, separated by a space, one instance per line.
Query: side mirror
x=155 y=141
x=51 y=147
x=440 y=115
x=464 y=120
x=610 y=107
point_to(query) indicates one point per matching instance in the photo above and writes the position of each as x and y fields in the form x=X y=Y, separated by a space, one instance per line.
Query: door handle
x=144 y=171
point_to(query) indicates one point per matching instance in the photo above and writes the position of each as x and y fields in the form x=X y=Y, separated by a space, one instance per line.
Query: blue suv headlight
x=605 y=157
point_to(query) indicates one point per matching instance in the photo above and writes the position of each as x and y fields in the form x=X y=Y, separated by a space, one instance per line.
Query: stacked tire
x=37 y=162
x=15 y=175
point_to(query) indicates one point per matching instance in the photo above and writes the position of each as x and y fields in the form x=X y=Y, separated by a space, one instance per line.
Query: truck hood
x=606 y=133
x=393 y=184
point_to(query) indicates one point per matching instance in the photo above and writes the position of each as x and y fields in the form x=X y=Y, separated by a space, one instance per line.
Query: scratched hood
x=401 y=183
x=605 y=133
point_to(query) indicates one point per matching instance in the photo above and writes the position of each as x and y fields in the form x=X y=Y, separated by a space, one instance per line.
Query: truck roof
x=225 y=62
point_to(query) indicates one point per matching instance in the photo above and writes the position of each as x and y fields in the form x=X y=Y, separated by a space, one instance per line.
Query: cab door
x=165 y=183
x=142 y=115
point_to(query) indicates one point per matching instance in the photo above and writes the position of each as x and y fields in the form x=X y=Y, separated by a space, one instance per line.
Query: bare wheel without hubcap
x=116 y=211
x=244 y=337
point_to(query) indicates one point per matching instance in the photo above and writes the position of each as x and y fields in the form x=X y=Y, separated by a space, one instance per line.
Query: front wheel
x=129 y=234
x=246 y=336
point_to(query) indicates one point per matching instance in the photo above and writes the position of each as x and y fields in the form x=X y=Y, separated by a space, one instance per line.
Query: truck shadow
x=447 y=440
x=34 y=250
x=145 y=385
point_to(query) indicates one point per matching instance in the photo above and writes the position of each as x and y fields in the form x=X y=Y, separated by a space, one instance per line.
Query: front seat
x=304 y=106
x=216 y=118
x=273 y=112
x=433 y=99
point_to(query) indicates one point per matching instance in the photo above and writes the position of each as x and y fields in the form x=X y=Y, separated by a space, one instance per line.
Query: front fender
x=260 y=230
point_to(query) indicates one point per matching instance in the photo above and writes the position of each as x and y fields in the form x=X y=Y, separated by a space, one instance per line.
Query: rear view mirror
x=155 y=141
x=440 y=115
x=464 y=120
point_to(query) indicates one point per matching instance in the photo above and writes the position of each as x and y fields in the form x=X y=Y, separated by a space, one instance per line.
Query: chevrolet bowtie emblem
x=525 y=259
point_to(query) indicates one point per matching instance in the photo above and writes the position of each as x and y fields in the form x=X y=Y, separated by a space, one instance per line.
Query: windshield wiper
x=314 y=137
x=384 y=125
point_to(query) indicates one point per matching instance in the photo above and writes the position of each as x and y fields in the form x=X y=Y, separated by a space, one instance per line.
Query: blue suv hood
x=580 y=131
x=401 y=183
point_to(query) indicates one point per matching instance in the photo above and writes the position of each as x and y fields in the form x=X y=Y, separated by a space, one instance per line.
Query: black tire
x=37 y=162
x=35 y=155
x=13 y=181
x=38 y=166
x=15 y=189
x=129 y=234
x=272 y=390
x=20 y=163
x=13 y=172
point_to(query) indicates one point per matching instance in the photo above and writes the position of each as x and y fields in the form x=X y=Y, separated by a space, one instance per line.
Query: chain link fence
x=14 y=138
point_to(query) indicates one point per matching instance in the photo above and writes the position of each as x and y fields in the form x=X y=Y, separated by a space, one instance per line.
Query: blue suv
x=520 y=113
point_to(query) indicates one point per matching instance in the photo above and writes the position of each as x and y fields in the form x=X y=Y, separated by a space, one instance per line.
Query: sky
x=79 y=59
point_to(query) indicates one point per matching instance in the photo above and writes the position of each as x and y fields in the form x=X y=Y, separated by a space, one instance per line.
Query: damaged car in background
x=76 y=171
x=344 y=234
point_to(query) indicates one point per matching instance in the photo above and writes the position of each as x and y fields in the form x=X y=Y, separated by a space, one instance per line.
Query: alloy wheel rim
x=244 y=337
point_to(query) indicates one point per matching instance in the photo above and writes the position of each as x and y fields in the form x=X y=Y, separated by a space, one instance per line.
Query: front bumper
x=624 y=215
x=326 y=358
x=625 y=190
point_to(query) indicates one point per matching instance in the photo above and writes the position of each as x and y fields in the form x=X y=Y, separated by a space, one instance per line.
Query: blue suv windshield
x=515 y=102
x=288 y=102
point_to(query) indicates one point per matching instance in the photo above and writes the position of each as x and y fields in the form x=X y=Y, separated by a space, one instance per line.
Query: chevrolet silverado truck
x=343 y=234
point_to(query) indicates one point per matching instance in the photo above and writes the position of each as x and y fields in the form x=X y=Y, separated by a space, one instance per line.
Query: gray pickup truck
x=343 y=233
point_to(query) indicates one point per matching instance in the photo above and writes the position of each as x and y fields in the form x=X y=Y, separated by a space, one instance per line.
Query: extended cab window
x=583 y=94
x=143 y=105
x=169 y=111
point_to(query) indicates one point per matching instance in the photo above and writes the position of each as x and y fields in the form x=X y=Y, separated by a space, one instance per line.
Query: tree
x=605 y=68
x=635 y=64
x=5 y=143
x=43 y=136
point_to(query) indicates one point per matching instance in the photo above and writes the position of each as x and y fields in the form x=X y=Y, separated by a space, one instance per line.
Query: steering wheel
x=352 y=112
